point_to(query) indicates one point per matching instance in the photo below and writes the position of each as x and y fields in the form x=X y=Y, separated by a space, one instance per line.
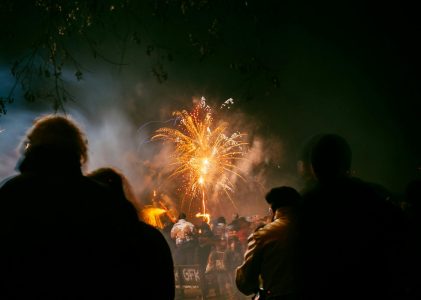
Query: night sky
x=293 y=69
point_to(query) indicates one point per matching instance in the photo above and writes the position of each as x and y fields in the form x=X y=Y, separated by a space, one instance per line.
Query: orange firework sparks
x=205 y=216
x=205 y=157
x=151 y=215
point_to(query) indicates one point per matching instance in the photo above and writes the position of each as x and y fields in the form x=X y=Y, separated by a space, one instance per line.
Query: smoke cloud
x=119 y=120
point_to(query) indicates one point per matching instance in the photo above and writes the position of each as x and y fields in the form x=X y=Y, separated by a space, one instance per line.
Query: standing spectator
x=216 y=270
x=351 y=234
x=183 y=234
x=233 y=258
x=269 y=266
x=151 y=245
x=63 y=235
x=412 y=210
x=205 y=242
x=220 y=229
x=118 y=185
x=241 y=227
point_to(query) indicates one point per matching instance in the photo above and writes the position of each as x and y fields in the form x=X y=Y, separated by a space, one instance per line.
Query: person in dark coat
x=63 y=235
x=351 y=234
x=118 y=185
x=412 y=211
x=152 y=246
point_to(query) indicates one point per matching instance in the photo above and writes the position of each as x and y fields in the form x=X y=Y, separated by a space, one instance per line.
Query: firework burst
x=204 y=156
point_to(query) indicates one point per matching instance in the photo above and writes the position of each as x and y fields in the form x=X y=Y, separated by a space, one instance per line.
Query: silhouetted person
x=220 y=229
x=151 y=247
x=351 y=234
x=233 y=258
x=205 y=240
x=270 y=260
x=413 y=202
x=304 y=168
x=413 y=213
x=118 y=185
x=241 y=227
x=63 y=235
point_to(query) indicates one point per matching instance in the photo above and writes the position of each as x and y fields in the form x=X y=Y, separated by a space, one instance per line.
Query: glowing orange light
x=151 y=215
x=204 y=156
x=205 y=216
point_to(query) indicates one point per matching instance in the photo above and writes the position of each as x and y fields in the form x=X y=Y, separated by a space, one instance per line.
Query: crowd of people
x=217 y=249
x=69 y=235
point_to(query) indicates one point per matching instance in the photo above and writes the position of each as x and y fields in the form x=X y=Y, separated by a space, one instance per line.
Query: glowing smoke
x=119 y=123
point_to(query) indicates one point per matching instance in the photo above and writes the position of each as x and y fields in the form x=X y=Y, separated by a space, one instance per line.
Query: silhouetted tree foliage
x=44 y=40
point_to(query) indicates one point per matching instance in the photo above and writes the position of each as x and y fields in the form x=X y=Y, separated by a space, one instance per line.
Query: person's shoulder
x=149 y=230
x=310 y=199
x=375 y=191
x=92 y=185
x=152 y=235
x=96 y=191
x=270 y=230
x=8 y=188
x=18 y=181
x=10 y=180
x=97 y=199
x=378 y=197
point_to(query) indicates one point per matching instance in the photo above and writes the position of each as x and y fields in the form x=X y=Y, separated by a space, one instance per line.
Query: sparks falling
x=204 y=157
x=206 y=217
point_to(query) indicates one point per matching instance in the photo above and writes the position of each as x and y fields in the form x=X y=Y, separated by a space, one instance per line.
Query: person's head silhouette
x=331 y=157
x=53 y=142
x=282 y=196
x=182 y=216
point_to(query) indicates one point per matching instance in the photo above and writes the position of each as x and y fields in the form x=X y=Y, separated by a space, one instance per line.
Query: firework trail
x=141 y=128
x=204 y=156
